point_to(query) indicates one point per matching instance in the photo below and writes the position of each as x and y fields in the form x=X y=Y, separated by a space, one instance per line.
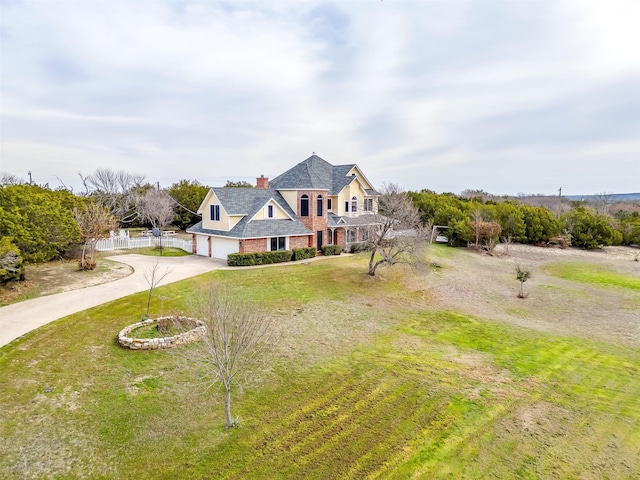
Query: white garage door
x=202 y=245
x=224 y=246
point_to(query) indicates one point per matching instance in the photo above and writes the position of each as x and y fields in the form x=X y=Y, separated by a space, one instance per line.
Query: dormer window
x=270 y=211
x=215 y=213
x=304 y=206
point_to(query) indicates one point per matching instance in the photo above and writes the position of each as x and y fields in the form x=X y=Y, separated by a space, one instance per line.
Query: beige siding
x=225 y=221
x=291 y=196
x=353 y=189
x=278 y=212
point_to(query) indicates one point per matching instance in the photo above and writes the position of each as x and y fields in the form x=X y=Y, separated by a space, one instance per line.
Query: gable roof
x=315 y=173
x=248 y=202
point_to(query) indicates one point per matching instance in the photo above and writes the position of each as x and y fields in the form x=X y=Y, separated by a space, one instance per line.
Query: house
x=310 y=205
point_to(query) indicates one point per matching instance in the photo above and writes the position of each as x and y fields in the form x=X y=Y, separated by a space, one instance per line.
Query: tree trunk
x=372 y=269
x=227 y=407
x=84 y=248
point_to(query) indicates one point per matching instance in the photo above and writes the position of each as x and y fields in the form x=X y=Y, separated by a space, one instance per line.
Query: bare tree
x=490 y=235
x=157 y=208
x=400 y=236
x=154 y=276
x=117 y=191
x=476 y=226
x=95 y=222
x=238 y=336
x=602 y=201
x=7 y=178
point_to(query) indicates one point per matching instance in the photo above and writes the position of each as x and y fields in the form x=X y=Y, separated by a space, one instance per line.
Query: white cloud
x=424 y=94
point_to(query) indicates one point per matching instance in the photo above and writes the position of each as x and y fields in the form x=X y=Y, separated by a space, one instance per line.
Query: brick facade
x=314 y=222
x=339 y=237
x=300 y=242
x=253 y=245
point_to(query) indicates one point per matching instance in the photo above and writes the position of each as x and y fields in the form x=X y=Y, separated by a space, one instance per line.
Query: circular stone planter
x=161 y=343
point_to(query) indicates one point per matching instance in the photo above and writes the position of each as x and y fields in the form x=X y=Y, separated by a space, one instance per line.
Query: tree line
x=481 y=221
x=39 y=224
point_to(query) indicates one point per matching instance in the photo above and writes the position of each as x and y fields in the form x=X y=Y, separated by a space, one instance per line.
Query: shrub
x=360 y=247
x=258 y=258
x=302 y=253
x=331 y=250
x=86 y=264
x=11 y=263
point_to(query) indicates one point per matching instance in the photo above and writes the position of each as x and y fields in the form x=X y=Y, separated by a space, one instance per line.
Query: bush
x=11 y=263
x=360 y=247
x=331 y=250
x=88 y=264
x=302 y=253
x=258 y=258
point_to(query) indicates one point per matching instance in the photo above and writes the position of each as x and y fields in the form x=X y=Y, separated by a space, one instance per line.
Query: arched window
x=354 y=204
x=304 y=206
x=319 y=206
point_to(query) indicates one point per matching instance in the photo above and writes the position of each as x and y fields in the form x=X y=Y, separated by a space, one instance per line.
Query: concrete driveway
x=22 y=317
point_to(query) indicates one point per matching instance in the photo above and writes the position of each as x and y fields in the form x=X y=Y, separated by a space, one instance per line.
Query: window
x=215 y=213
x=277 y=243
x=329 y=206
x=368 y=204
x=351 y=236
x=330 y=237
x=365 y=235
x=346 y=206
x=270 y=211
x=354 y=204
x=319 y=206
x=304 y=206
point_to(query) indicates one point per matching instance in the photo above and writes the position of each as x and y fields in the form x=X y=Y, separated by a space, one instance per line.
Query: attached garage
x=224 y=246
x=202 y=245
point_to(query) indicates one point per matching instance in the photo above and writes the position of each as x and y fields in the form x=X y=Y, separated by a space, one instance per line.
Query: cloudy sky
x=505 y=96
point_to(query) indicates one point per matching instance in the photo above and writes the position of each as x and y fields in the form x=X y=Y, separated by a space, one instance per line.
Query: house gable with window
x=312 y=204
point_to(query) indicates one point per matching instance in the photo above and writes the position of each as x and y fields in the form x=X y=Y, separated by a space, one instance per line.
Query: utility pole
x=559 y=200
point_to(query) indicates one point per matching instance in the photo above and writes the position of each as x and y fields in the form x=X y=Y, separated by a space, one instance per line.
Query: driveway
x=22 y=317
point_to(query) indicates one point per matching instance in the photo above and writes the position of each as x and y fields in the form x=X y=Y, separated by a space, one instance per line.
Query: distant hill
x=615 y=197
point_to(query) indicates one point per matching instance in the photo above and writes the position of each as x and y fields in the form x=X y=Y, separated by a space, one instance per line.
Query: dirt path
x=486 y=287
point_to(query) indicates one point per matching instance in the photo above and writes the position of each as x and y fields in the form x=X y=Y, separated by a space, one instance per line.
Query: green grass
x=430 y=394
x=593 y=274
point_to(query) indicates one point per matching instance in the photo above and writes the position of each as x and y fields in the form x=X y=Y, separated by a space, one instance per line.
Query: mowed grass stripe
x=319 y=427
x=593 y=275
x=352 y=440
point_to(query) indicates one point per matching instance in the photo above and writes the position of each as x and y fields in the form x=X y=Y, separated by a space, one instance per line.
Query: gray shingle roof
x=362 y=220
x=248 y=202
x=314 y=173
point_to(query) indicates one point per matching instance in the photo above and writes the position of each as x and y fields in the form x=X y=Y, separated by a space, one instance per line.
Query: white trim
x=286 y=243
x=264 y=210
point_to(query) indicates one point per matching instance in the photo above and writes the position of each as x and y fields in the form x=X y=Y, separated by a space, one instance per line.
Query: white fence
x=125 y=243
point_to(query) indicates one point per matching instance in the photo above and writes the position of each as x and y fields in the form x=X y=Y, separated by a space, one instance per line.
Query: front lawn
x=371 y=379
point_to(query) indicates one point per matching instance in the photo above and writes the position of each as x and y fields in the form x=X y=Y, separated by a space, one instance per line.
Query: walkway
x=22 y=317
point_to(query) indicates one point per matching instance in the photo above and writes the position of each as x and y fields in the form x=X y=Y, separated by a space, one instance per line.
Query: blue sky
x=505 y=96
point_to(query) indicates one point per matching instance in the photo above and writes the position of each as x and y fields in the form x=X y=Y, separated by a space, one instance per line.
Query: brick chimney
x=262 y=182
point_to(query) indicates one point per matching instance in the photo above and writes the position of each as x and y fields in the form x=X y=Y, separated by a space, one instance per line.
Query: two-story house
x=312 y=204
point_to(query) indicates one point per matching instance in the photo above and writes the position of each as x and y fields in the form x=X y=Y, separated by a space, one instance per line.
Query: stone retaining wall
x=160 y=343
